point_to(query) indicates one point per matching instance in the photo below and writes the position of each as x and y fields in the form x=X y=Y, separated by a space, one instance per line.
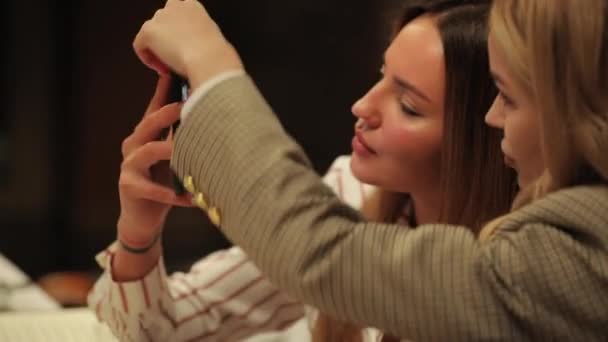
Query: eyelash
x=404 y=108
x=408 y=110
x=507 y=102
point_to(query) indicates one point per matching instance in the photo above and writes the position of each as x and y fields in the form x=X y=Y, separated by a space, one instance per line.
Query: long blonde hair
x=556 y=50
x=470 y=150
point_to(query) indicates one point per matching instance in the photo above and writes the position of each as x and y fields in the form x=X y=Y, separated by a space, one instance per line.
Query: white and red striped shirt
x=224 y=297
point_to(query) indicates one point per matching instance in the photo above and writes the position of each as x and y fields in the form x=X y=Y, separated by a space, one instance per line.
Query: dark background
x=72 y=89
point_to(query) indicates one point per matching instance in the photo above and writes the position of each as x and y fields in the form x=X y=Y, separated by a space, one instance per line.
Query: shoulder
x=544 y=264
x=558 y=238
x=563 y=224
x=581 y=210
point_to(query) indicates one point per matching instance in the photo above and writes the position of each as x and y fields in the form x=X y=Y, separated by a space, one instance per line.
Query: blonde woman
x=538 y=273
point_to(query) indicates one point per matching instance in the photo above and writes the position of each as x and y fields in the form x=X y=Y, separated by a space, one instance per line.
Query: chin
x=362 y=173
x=524 y=181
x=372 y=176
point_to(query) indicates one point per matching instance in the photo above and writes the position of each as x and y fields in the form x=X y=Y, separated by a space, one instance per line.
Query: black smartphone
x=178 y=92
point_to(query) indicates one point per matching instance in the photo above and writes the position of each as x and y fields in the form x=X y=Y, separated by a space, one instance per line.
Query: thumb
x=159 y=99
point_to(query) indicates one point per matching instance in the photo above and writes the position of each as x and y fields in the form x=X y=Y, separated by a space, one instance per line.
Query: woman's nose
x=367 y=108
x=495 y=116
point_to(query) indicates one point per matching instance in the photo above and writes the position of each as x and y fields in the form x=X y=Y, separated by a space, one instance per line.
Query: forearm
x=128 y=307
x=303 y=235
x=128 y=266
x=218 y=168
x=223 y=297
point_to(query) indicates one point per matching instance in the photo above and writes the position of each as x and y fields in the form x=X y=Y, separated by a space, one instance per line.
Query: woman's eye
x=408 y=110
x=506 y=100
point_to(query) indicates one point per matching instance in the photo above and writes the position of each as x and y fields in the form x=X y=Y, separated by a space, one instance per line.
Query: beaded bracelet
x=138 y=250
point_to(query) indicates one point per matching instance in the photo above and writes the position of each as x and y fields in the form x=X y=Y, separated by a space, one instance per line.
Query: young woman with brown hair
x=420 y=140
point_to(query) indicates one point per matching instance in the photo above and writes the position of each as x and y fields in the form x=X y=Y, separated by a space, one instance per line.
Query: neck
x=427 y=208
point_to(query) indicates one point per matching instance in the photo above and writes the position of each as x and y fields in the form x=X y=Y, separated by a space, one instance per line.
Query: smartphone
x=178 y=92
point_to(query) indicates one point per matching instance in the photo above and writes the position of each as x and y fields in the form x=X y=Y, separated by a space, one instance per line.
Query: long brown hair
x=475 y=184
x=557 y=51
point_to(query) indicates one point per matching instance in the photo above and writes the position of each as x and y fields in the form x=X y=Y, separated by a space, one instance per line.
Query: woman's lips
x=360 y=146
x=509 y=161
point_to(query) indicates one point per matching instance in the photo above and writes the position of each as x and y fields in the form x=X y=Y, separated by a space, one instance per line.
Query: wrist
x=199 y=69
x=133 y=236
x=137 y=247
x=127 y=266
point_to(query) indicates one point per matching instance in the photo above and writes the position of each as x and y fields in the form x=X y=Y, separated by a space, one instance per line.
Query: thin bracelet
x=140 y=250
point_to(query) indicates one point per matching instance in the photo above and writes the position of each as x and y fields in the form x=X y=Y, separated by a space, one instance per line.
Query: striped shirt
x=223 y=297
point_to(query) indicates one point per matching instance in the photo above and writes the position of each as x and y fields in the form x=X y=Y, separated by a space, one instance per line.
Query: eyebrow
x=406 y=85
x=410 y=87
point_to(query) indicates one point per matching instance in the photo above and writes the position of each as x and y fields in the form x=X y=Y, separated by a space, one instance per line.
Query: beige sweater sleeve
x=432 y=283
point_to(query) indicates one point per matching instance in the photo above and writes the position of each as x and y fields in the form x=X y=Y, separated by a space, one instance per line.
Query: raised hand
x=183 y=38
x=145 y=194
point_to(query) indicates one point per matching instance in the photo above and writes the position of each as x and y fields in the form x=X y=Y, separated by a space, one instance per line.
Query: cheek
x=409 y=158
x=413 y=147
x=522 y=136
